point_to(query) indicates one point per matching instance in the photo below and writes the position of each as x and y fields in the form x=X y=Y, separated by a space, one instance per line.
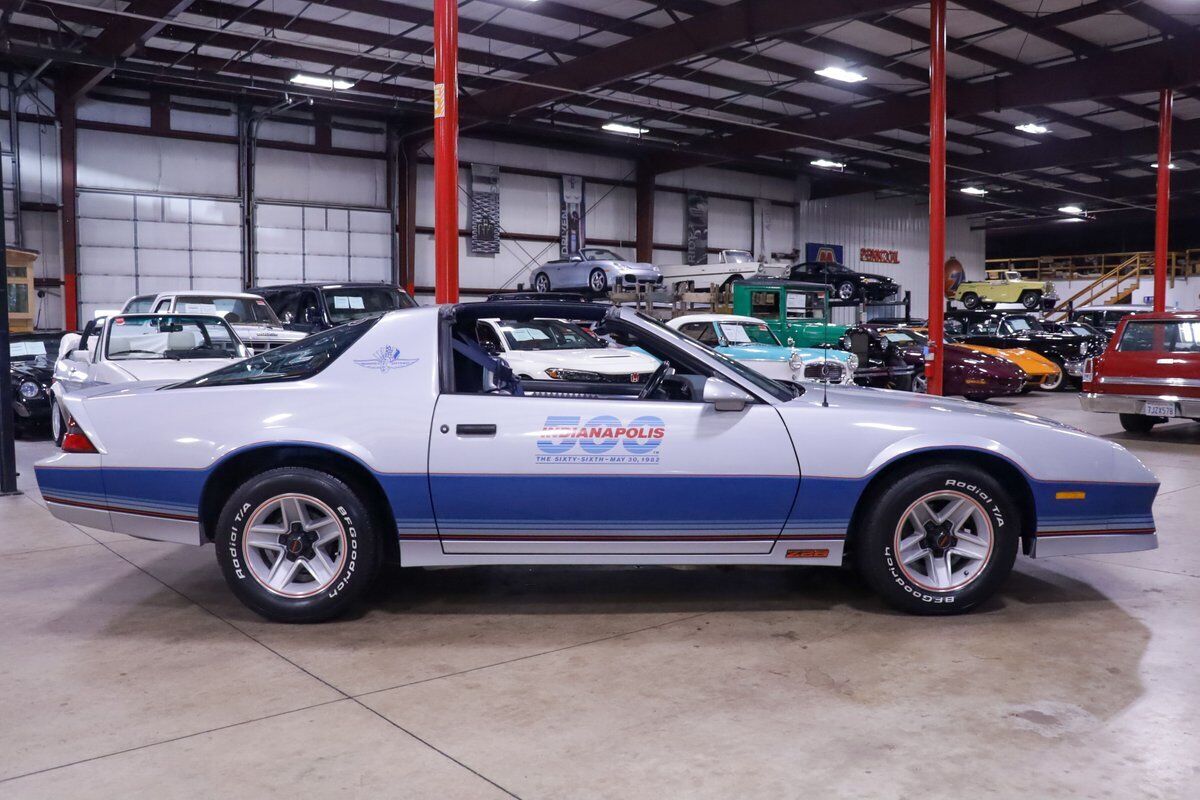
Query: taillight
x=75 y=440
x=1089 y=370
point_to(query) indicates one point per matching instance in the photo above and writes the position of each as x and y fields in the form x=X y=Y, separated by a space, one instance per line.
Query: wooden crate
x=22 y=302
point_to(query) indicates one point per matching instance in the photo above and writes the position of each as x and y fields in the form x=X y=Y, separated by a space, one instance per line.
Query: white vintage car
x=555 y=349
x=139 y=347
x=248 y=314
x=401 y=438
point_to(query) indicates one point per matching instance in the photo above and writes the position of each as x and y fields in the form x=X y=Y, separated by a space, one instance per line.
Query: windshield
x=159 y=336
x=736 y=333
x=830 y=267
x=599 y=254
x=34 y=347
x=546 y=334
x=292 y=362
x=738 y=256
x=777 y=390
x=904 y=337
x=233 y=309
x=1023 y=324
x=345 y=303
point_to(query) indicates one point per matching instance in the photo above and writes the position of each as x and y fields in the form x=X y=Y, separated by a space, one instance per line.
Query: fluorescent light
x=827 y=164
x=319 y=82
x=839 y=74
x=1033 y=127
x=1169 y=166
x=1075 y=210
x=620 y=127
x=975 y=190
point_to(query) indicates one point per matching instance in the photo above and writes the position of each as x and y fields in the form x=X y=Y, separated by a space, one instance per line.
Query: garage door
x=320 y=243
x=133 y=243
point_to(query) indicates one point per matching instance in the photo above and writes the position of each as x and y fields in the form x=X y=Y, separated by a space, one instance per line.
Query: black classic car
x=881 y=363
x=32 y=356
x=847 y=284
x=312 y=307
x=998 y=329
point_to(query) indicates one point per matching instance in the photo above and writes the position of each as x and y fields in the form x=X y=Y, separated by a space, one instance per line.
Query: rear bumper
x=1132 y=403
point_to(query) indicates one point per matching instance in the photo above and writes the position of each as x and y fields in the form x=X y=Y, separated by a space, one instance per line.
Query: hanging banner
x=695 y=229
x=571 y=216
x=485 y=210
x=823 y=253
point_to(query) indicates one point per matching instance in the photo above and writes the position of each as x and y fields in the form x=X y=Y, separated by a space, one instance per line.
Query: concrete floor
x=128 y=669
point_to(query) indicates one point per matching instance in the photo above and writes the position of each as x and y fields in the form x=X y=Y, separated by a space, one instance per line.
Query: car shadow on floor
x=1171 y=433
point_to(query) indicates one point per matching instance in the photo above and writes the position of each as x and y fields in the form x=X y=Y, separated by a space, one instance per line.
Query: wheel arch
x=1006 y=472
x=238 y=467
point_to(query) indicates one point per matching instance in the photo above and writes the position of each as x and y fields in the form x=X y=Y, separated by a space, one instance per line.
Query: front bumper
x=1189 y=407
x=877 y=376
x=633 y=277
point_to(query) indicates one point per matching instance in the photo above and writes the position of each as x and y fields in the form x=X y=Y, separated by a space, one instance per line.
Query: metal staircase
x=1115 y=285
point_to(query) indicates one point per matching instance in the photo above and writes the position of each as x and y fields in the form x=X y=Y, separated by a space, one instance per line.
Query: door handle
x=475 y=429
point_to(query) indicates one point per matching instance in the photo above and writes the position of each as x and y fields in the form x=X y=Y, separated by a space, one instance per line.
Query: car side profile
x=594 y=269
x=845 y=283
x=449 y=459
x=1005 y=286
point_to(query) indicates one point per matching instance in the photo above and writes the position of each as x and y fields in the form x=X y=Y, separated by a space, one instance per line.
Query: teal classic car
x=752 y=342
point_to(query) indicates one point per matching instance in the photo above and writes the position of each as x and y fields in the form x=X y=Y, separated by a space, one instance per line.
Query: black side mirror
x=490 y=348
x=312 y=315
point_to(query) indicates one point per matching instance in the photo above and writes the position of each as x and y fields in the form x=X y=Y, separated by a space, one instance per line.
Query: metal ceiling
x=712 y=81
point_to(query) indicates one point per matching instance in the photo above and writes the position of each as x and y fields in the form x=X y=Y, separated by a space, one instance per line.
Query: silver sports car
x=595 y=269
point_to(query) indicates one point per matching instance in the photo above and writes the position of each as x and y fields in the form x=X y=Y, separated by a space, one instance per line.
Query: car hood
x=776 y=352
x=249 y=331
x=607 y=361
x=169 y=370
x=32 y=371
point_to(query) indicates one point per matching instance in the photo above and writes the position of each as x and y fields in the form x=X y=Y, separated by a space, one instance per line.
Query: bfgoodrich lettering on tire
x=297 y=545
x=938 y=540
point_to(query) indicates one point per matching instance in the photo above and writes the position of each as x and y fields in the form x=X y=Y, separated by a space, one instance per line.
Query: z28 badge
x=385 y=359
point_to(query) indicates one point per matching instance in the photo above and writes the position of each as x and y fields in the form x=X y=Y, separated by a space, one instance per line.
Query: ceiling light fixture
x=622 y=128
x=839 y=74
x=319 y=82
x=1073 y=210
x=1033 y=127
x=1169 y=166
x=825 y=163
x=974 y=190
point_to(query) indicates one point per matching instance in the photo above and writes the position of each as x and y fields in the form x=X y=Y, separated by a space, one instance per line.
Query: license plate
x=1159 y=409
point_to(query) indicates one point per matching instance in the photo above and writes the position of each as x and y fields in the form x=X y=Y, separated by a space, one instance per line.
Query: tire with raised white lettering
x=297 y=545
x=938 y=540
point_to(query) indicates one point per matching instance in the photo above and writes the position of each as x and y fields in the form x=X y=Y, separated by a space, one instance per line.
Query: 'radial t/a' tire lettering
x=297 y=545
x=939 y=540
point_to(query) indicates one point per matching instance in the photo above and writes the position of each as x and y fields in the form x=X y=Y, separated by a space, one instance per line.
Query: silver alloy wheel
x=542 y=282
x=597 y=281
x=920 y=385
x=295 y=545
x=846 y=291
x=943 y=541
x=56 y=423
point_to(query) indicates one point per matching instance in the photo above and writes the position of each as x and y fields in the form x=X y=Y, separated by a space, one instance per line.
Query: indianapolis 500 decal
x=600 y=440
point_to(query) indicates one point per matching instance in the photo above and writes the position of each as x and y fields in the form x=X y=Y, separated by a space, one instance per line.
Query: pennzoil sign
x=873 y=255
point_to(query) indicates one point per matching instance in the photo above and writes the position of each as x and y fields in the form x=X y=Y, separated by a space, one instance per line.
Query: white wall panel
x=95 y=110
x=320 y=179
x=132 y=162
x=611 y=213
x=199 y=122
x=307 y=243
x=730 y=223
x=40 y=171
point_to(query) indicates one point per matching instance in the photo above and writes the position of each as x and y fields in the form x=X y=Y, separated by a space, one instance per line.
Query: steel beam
x=937 y=195
x=445 y=149
x=644 y=201
x=1162 y=208
x=65 y=109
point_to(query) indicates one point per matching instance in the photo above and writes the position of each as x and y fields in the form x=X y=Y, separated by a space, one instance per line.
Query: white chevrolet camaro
x=402 y=438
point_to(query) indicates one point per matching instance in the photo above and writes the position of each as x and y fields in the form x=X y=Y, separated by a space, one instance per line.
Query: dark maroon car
x=973 y=375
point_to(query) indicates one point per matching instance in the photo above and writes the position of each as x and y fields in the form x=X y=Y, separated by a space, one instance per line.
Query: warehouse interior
x=216 y=146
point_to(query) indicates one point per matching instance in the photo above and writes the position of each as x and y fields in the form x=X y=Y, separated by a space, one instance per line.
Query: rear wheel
x=1139 y=423
x=1056 y=382
x=297 y=545
x=919 y=384
x=58 y=428
x=1031 y=299
x=938 y=540
x=597 y=281
x=970 y=300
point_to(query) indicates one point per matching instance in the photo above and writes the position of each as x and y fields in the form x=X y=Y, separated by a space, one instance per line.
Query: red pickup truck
x=1149 y=373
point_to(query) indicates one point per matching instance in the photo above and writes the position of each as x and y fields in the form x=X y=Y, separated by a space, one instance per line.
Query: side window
x=488 y=337
x=309 y=309
x=702 y=332
x=163 y=305
x=764 y=305
x=139 y=305
x=804 y=305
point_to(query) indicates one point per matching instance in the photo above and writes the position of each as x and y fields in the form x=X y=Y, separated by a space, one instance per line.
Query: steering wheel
x=655 y=380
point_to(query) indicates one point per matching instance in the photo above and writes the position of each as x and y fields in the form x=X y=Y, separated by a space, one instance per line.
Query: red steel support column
x=65 y=106
x=937 y=193
x=1162 y=208
x=445 y=149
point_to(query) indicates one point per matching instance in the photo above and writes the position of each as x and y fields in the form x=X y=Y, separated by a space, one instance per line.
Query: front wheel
x=1031 y=299
x=919 y=384
x=58 y=428
x=845 y=290
x=938 y=540
x=297 y=545
x=1138 y=423
x=970 y=300
x=541 y=283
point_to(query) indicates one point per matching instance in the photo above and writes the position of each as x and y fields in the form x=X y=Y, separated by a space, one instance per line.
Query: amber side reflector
x=807 y=553
x=1070 y=495
x=76 y=441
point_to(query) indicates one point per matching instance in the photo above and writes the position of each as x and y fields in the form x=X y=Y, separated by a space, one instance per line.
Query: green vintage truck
x=797 y=312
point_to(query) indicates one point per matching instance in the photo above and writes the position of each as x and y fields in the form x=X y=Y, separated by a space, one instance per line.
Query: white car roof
x=202 y=293
x=1116 y=307
x=684 y=320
